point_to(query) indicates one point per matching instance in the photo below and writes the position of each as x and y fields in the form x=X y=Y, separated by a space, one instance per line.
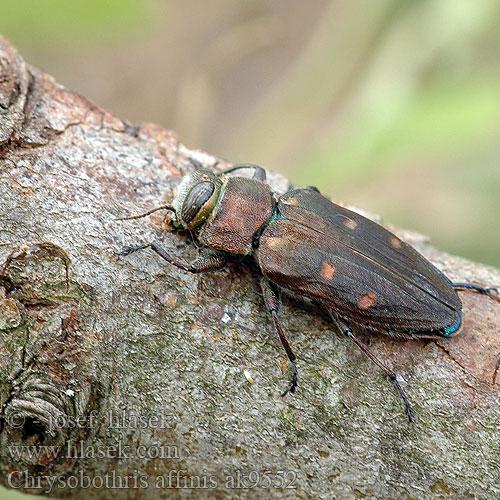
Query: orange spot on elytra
x=327 y=270
x=351 y=224
x=366 y=300
x=394 y=241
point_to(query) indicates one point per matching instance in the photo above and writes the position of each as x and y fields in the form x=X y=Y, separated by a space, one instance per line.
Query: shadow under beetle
x=356 y=269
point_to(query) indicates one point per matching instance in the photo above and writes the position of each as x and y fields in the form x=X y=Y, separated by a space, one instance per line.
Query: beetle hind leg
x=271 y=297
x=346 y=330
x=491 y=292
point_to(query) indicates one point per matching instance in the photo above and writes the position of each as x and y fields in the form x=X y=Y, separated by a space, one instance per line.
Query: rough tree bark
x=178 y=370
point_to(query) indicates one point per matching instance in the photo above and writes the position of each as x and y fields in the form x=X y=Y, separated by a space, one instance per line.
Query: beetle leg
x=207 y=261
x=271 y=296
x=346 y=330
x=489 y=292
x=259 y=172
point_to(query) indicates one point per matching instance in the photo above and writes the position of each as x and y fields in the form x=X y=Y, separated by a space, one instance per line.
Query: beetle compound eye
x=195 y=200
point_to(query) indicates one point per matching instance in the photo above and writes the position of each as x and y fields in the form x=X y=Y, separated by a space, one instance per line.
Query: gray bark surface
x=130 y=356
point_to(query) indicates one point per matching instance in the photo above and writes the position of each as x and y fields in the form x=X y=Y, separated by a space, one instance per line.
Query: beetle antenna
x=149 y=212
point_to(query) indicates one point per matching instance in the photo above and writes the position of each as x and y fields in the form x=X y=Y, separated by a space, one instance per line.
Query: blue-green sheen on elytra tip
x=453 y=328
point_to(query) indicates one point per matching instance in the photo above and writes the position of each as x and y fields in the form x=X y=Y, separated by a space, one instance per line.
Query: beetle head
x=195 y=199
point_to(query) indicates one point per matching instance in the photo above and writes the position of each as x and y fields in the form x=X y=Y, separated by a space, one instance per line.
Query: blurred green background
x=390 y=105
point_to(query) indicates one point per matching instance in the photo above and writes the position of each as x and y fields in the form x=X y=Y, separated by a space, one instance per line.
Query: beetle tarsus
x=491 y=292
x=208 y=261
x=402 y=393
x=346 y=330
x=293 y=383
x=271 y=296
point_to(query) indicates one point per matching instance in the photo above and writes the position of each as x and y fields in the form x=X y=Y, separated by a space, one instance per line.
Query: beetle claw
x=293 y=383
x=493 y=293
x=290 y=388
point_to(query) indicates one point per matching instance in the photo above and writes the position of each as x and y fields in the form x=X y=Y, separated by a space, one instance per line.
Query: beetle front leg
x=346 y=330
x=271 y=296
x=209 y=260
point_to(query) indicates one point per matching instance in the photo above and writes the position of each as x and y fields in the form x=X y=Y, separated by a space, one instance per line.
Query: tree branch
x=154 y=382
